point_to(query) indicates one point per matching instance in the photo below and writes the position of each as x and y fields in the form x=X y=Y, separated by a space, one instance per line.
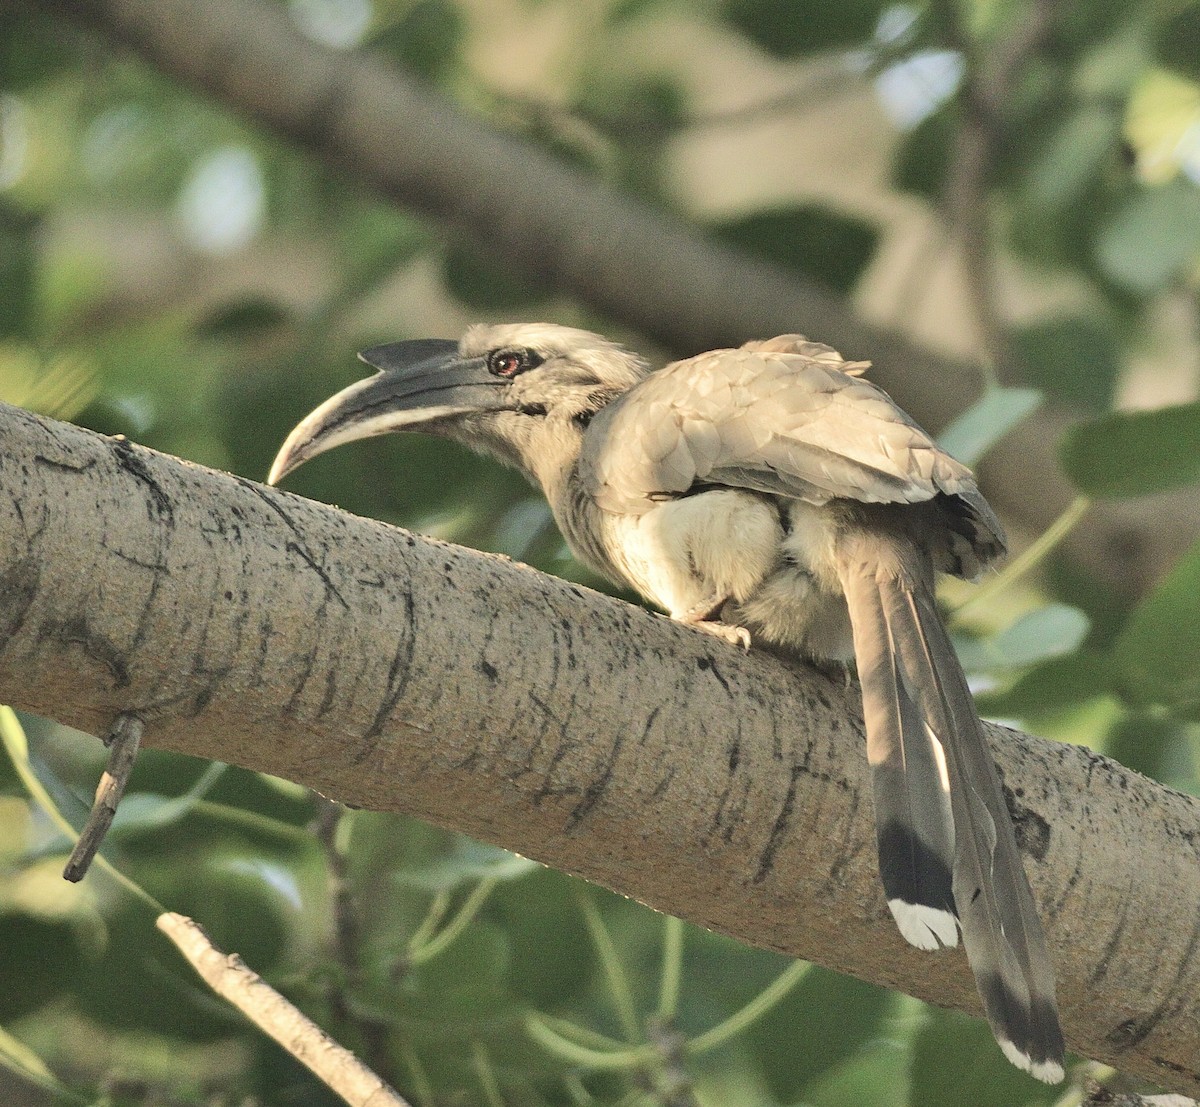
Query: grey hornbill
x=767 y=493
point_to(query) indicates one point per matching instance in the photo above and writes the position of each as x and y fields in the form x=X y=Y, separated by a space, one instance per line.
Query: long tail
x=946 y=842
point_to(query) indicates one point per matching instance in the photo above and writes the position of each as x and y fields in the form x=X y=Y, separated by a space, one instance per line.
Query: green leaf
x=956 y=1060
x=1056 y=684
x=145 y=811
x=243 y=319
x=825 y=245
x=1135 y=453
x=1063 y=170
x=1157 y=655
x=33 y=49
x=1050 y=631
x=786 y=29
x=428 y=39
x=1075 y=359
x=18 y=261
x=487 y=285
x=1153 y=238
x=466 y=861
x=986 y=421
x=922 y=159
x=38 y=961
x=804 y=1016
x=1178 y=42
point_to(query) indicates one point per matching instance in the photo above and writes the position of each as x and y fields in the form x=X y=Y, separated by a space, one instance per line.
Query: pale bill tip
x=1049 y=1072
x=926 y=928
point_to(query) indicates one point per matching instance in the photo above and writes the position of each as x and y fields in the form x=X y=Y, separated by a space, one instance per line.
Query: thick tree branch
x=398 y=673
x=513 y=201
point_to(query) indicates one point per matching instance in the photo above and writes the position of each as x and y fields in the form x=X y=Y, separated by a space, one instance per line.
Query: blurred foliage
x=171 y=273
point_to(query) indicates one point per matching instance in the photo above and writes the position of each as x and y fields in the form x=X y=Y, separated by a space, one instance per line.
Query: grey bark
x=511 y=200
x=403 y=674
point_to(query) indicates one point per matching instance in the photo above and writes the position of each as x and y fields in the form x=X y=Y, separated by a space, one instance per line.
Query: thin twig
x=123 y=742
x=229 y=977
x=347 y=938
x=986 y=92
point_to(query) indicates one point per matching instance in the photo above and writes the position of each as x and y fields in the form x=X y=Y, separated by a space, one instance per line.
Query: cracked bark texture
x=384 y=131
x=398 y=673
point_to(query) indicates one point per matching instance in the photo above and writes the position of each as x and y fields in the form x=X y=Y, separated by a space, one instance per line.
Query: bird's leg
x=705 y=616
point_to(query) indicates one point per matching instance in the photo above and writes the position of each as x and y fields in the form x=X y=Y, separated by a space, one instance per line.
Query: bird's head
x=520 y=391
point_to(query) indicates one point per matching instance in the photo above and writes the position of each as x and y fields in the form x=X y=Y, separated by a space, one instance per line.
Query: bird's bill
x=418 y=383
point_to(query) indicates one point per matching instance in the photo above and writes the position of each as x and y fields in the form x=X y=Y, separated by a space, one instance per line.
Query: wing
x=785 y=417
x=796 y=422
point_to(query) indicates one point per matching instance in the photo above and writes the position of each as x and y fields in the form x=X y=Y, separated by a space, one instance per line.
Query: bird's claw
x=734 y=635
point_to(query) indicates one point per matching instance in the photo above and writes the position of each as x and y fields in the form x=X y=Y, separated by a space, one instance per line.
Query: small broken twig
x=229 y=976
x=123 y=742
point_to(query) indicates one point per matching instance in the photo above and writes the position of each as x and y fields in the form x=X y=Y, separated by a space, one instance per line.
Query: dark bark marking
x=130 y=460
x=298 y=546
x=661 y=787
x=18 y=589
x=330 y=588
x=597 y=787
x=1110 y=947
x=1032 y=829
x=326 y=705
x=1134 y=1031
x=96 y=646
x=766 y=860
x=63 y=466
x=399 y=673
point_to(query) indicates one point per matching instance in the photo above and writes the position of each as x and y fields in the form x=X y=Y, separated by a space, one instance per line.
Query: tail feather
x=916 y=698
x=913 y=819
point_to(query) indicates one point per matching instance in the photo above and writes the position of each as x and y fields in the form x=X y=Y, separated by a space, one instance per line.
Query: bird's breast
x=689 y=551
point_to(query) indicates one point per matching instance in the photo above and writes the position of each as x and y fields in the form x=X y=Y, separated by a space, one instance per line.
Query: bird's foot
x=734 y=635
x=705 y=616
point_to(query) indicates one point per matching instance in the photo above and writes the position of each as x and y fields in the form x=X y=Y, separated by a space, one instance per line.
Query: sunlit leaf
x=1135 y=453
x=986 y=421
x=145 y=812
x=1153 y=238
x=1050 y=631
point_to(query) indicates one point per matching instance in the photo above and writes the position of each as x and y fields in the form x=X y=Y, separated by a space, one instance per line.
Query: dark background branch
x=640 y=266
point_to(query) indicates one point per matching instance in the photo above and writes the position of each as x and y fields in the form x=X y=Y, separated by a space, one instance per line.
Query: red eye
x=507 y=363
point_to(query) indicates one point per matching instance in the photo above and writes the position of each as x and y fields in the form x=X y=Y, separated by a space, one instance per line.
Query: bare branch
x=643 y=267
x=123 y=741
x=398 y=673
x=228 y=976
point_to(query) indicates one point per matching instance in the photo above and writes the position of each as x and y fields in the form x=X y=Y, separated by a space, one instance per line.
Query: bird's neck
x=551 y=456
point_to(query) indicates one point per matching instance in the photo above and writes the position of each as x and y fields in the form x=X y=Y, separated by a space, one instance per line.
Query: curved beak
x=418 y=383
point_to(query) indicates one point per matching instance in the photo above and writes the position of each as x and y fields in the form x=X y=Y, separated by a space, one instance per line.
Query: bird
x=767 y=494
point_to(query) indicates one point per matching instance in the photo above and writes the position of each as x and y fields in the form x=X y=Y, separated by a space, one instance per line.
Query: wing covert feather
x=785 y=417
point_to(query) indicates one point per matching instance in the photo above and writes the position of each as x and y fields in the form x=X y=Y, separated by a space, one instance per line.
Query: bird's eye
x=508 y=363
x=505 y=363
